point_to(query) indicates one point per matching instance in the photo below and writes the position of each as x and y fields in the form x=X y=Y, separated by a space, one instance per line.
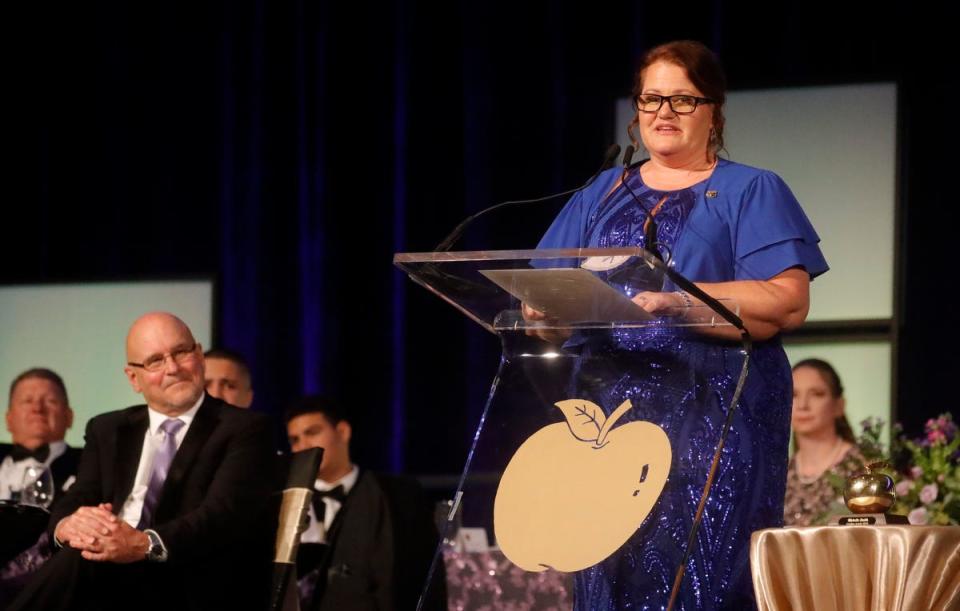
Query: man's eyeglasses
x=680 y=104
x=179 y=355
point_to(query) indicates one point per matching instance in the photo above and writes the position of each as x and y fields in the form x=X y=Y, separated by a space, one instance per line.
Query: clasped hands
x=661 y=304
x=102 y=536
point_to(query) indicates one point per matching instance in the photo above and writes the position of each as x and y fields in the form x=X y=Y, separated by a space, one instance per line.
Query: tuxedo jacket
x=381 y=544
x=62 y=468
x=214 y=513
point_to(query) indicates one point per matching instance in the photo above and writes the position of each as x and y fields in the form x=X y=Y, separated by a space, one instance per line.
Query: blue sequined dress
x=741 y=223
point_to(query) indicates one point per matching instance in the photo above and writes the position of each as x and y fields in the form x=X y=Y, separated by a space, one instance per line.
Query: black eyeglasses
x=680 y=104
x=156 y=362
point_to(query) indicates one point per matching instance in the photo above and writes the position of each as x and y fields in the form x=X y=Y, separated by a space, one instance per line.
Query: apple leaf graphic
x=584 y=418
x=587 y=422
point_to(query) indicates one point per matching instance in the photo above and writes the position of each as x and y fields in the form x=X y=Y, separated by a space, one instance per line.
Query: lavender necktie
x=161 y=465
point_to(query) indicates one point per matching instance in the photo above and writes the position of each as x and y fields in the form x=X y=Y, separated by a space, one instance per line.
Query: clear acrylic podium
x=558 y=314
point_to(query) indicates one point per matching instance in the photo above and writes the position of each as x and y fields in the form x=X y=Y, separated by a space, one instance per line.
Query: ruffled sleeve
x=772 y=232
x=569 y=228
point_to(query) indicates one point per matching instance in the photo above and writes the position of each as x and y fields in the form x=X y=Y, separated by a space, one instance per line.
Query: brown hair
x=44 y=374
x=830 y=376
x=704 y=71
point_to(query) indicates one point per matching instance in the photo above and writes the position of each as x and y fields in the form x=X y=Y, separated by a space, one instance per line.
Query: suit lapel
x=130 y=437
x=204 y=422
x=353 y=498
x=355 y=494
x=62 y=468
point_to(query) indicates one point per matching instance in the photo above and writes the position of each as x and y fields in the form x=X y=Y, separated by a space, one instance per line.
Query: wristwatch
x=156 y=552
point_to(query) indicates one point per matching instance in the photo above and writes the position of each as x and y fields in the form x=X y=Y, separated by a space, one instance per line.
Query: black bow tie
x=319 y=507
x=18 y=453
x=336 y=493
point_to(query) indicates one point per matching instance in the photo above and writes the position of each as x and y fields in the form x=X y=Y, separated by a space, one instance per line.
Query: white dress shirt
x=314 y=532
x=153 y=438
x=11 y=473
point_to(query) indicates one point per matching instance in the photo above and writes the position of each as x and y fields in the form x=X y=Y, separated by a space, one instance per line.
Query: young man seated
x=371 y=537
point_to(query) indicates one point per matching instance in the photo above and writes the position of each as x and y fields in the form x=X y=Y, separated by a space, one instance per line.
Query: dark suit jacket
x=381 y=544
x=61 y=468
x=212 y=514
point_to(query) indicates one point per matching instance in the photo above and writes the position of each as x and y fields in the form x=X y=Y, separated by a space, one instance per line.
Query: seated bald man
x=170 y=507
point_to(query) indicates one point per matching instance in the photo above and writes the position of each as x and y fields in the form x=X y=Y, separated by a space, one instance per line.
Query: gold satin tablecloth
x=847 y=568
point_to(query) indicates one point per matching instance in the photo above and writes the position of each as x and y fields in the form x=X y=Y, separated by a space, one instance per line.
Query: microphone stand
x=442 y=278
x=747 y=344
x=612 y=151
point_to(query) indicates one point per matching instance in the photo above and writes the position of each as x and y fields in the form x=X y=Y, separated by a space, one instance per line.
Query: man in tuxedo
x=170 y=504
x=371 y=537
x=38 y=417
x=227 y=376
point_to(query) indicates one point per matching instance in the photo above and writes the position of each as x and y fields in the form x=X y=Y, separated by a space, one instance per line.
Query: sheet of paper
x=567 y=295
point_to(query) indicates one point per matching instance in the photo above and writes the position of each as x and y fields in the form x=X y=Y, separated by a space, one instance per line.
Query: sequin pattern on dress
x=683 y=381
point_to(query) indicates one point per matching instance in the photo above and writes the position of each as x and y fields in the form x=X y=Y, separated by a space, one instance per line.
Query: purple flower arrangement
x=928 y=469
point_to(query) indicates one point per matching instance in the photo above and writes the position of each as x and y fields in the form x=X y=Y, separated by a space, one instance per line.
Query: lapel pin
x=711 y=193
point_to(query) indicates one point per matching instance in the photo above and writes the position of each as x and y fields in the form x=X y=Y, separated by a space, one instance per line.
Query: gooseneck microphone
x=609 y=159
x=627 y=160
x=650 y=240
x=650 y=231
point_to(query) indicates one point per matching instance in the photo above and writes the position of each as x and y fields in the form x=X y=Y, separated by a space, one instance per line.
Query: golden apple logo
x=575 y=491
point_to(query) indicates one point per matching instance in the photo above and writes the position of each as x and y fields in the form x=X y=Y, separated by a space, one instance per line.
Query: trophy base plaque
x=869 y=519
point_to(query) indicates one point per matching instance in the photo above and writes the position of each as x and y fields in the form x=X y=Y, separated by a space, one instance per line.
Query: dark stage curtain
x=289 y=148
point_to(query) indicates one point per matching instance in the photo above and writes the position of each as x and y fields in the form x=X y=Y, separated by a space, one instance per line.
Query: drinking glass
x=37 y=488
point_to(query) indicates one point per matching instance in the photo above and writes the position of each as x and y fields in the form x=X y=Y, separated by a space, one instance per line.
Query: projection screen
x=78 y=330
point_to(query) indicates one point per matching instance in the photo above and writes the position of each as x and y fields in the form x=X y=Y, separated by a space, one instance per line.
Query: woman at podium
x=738 y=233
